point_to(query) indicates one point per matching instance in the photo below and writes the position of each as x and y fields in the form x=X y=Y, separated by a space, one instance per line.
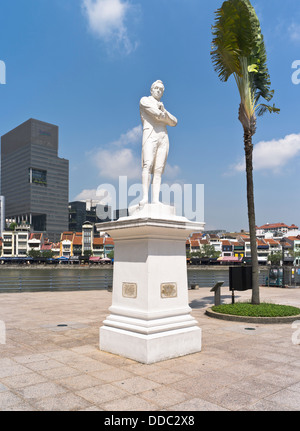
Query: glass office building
x=34 y=180
x=2 y=215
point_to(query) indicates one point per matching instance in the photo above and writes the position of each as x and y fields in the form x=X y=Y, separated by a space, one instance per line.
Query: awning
x=230 y=259
x=94 y=259
x=105 y=259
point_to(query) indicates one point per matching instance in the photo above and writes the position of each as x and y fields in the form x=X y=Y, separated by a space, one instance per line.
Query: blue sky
x=85 y=64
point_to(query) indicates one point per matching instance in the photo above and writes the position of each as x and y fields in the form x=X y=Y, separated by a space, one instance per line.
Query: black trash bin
x=240 y=278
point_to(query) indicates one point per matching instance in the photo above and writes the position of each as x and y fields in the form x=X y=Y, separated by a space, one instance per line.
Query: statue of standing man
x=155 y=119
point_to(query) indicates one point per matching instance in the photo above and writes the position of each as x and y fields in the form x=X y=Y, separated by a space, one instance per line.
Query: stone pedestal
x=150 y=318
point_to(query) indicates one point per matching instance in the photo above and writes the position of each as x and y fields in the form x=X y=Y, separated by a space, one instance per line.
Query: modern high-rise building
x=2 y=215
x=34 y=180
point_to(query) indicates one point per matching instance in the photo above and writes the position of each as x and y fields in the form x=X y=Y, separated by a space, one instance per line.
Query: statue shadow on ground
x=208 y=301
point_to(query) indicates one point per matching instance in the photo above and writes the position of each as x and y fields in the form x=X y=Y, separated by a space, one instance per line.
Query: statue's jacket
x=152 y=122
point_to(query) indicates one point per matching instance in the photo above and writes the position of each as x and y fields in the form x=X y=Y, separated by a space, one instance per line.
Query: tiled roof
x=196 y=235
x=77 y=240
x=109 y=241
x=225 y=242
x=277 y=226
x=98 y=241
x=35 y=236
x=67 y=236
x=271 y=241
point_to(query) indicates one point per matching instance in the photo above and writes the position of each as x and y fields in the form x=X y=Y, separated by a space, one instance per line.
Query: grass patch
x=261 y=310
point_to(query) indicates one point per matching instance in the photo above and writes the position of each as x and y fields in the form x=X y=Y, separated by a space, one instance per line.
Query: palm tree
x=238 y=49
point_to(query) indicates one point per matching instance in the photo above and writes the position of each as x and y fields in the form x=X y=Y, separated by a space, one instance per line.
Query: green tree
x=275 y=258
x=34 y=253
x=208 y=250
x=12 y=226
x=48 y=254
x=111 y=254
x=238 y=49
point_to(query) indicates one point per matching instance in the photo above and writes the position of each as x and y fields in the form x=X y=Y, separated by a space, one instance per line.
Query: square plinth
x=149 y=349
x=150 y=316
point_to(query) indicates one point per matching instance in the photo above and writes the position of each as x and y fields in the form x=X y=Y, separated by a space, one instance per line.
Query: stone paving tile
x=112 y=374
x=286 y=398
x=102 y=393
x=231 y=399
x=21 y=407
x=266 y=406
x=13 y=370
x=142 y=369
x=130 y=403
x=279 y=377
x=79 y=382
x=47 y=364
x=27 y=359
x=40 y=390
x=253 y=386
x=136 y=385
x=60 y=372
x=164 y=396
x=3 y=388
x=196 y=404
x=166 y=377
x=63 y=402
x=22 y=380
x=295 y=387
x=8 y=399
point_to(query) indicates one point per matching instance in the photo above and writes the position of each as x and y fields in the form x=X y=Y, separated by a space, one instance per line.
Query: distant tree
x=111 y=254
x=34 y=253
x=208 y=250
x=47 y=253
x=12 y=226
x=275 y=258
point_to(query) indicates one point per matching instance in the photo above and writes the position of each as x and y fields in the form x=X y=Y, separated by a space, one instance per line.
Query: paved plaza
x=44 y=366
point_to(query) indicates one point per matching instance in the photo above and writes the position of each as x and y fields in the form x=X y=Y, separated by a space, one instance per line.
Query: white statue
x=155 y=119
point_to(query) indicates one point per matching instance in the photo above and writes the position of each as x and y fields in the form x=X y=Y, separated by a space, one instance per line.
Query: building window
x=37 y=176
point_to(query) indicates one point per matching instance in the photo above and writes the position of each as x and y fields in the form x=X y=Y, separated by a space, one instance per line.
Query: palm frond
x=238 y=49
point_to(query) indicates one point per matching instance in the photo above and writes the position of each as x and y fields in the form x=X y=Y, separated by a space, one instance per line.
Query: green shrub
x=261 y=310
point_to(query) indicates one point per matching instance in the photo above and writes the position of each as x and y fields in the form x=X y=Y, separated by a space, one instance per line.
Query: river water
x=65 y=277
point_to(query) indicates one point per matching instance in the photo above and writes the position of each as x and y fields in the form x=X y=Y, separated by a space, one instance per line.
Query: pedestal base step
x=150 y=348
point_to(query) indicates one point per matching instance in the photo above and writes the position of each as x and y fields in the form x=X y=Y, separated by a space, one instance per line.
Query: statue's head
x=157 y=89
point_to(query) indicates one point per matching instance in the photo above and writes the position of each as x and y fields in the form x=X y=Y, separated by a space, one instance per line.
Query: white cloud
x=132 y=136
x=86 y=194
x=113 y=164
x=118 y=158
x=96 y=195
x=171 y=172
x=294 y=32
x=273 y=155
x=106 y=19
x=123 y=157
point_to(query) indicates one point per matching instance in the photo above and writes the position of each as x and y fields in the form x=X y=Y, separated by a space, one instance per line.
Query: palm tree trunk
x=248 y=133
